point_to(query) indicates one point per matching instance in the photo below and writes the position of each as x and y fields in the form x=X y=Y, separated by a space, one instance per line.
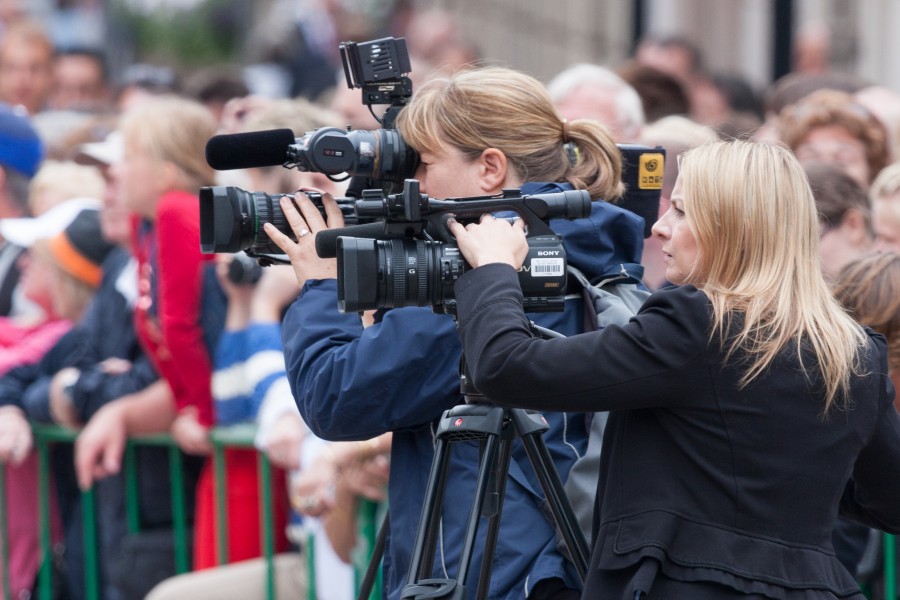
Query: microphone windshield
x=248 y=150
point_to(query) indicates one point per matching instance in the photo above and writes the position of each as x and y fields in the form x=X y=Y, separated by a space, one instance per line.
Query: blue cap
x=20 y=146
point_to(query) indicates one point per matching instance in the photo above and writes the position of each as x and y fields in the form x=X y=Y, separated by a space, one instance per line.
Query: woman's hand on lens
x=306 y=223
x=491 y=241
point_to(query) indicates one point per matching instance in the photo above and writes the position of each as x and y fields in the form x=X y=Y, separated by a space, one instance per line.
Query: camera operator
x=748 y=407
x=477 y=132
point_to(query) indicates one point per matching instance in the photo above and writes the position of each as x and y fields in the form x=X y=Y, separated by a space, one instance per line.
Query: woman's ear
x=492 y=170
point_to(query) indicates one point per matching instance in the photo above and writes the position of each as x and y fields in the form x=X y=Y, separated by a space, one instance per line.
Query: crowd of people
x=734 y=436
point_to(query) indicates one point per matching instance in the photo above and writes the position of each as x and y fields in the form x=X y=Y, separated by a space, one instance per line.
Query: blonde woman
x=181 y=308
x=748 y=407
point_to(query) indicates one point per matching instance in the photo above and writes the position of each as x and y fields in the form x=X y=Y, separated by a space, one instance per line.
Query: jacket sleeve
x=637 y=365
x=354 y=383
x=870 y=497
x=96 y=388
x=189 y=369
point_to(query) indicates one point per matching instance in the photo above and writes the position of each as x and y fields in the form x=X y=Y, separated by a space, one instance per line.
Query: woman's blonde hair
x=869 y=287
x=752 y=214
x=175 y=130
x=495 y=107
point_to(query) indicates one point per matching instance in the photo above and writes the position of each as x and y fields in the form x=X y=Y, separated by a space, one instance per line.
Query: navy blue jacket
x=401 y=374
x=105 y=331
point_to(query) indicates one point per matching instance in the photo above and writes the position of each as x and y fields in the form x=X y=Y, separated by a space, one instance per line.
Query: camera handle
x=496 y=428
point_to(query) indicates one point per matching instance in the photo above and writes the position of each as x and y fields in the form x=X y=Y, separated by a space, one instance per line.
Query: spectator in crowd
x=26 y=66
x=214 y=87
x=21 y=153
x=734 y=107
x=57 y=181
x=346 y=377
x=181 y=308
x=845 y=217
x=794 y=400
x=884 y=103
x=585 y=91
x=435 y=37
x=249 y=384
x=141 y=81
x=829 y=126
x=868 y=286
x=795 y=86
x=58 y=275
x=84 y=379
x=662 y=94
x=885 y=198
x=80 y=81
x=682 y=59
x=811 y=49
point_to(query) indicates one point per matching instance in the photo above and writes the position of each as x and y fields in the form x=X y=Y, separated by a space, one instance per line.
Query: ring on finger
x=303 y=232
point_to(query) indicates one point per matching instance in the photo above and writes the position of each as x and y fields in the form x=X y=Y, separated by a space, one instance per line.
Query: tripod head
x=467 y=388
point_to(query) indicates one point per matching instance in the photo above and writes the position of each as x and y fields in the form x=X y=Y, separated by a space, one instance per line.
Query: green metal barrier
x=222 y=438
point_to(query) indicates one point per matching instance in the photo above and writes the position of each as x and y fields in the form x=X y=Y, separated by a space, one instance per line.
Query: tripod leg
x=542 y=463
x=422 y=558
x=492 y=509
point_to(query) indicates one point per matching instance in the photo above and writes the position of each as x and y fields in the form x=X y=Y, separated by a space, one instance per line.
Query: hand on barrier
x=285 y=440
x=100 y=445
x=15 y=435
x=189 y=434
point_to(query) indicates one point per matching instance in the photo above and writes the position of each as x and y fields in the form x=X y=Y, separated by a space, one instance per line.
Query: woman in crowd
x=181 y=308
x=748 y=408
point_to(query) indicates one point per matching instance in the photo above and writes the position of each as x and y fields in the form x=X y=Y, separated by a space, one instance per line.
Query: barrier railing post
x=890 y=567
x=179 y=510
x=367 y=529
x=132 y=494
x=89 y=527
x=240 y=436
x=266 y=519
x=4 y=536
x=45 y=577
x=221 y=485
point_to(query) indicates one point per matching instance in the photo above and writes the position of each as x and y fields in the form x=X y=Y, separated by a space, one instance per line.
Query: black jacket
x=701 y=481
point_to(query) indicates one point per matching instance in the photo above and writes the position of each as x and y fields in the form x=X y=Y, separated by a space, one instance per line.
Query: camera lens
x=395 y=273
x=232 y=219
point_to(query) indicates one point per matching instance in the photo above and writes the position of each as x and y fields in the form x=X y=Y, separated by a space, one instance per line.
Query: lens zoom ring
x=423 y=251
x=398 y=258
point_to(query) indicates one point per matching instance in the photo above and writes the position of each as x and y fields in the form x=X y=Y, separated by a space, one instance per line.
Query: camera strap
x=614 y=299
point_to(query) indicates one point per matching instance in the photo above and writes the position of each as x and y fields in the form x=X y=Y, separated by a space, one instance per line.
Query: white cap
x=107 y=152
x=25 y=231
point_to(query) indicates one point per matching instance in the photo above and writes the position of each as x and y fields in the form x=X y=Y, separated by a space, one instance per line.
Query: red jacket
x=167 y=318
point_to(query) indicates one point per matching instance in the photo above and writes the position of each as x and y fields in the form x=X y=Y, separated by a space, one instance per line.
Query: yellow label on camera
x=650 y=171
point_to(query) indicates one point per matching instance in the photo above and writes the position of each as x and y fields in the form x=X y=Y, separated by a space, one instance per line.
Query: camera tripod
x=496 y=428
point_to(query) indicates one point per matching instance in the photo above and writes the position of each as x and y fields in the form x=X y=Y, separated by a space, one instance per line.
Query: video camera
x=410 y=258
x=231 y=219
